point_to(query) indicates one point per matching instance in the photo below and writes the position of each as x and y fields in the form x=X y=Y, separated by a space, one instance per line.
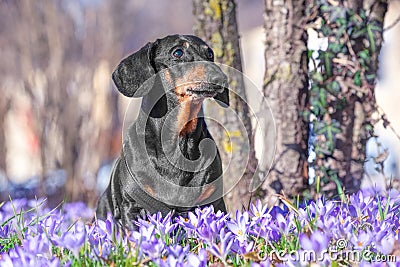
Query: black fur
x=147 y=160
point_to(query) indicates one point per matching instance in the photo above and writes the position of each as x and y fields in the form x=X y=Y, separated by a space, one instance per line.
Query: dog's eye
x=210 y=53
x=178 y=53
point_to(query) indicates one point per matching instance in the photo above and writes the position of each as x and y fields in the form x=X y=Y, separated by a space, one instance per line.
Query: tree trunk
x=353 y=51
x=216 y=24
x=4 y=106
x=286 y=89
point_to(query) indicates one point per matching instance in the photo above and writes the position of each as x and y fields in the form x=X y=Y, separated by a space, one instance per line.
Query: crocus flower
x=205 y=233
x=361 y=240
x=77 y=210
x=265 y=263
x=239 y=226
x=144 y=233
x=153 y=247
x=73 y=239
x=358 y=204
x=38 y=244
x=98 y=240
x=282 y=224
x=197 y=260
x=176 y=256
x=169 y=261
x=317 y=242
x=164 y=225
x=15 y=205
x=384 y=241
x=19 y=257
x=222 y=249
x=344 y=227
x=192 y=222
x=242 y=248
x=178 y=251
x=4 y=231
x=258 y=210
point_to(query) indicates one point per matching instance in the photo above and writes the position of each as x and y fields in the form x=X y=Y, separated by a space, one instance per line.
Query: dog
x=163 y=166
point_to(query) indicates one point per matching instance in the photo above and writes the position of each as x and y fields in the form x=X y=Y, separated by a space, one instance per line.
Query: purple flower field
x=362 y=230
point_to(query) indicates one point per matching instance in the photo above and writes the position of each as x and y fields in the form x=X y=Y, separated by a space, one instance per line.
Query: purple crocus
x=176 y=256
x=358 y=204
x=38 y=244
x=16 y=204
x=384 y=241
x=199 y=260
x=206 y=213
x=164 y=225
x=317 y=242
x=154 y=248
x=361 y=240
x=102 y=236
x=169 y=261
x=265 y=263
x=242 y=248
x=222 y=249
x=258 y=210
x=192 y=222
x=205 y=233
x=98 y=240
x=4 y=231
x=239 y=226
x=177 y=250
x=344 y=227
x=51 y=225
x=396 y=228
x=146 y=239
x=20 y=257
x=144 y=233
x=284 y=225
x=72 y=239
x=77 y=210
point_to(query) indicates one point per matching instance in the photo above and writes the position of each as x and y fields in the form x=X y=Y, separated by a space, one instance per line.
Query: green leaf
x=327 y=63
x=317 y=76
x=339 y=189
x=324 y=8
x=364 y=54
x=335 y=86
x=309 y=53
x=358 y=33
x=371 y=38
x=370 y=76
x=322 y=97
x=357 y=79
x=335 y=47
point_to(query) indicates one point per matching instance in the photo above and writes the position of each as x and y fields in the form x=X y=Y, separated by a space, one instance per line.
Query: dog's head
x=194 y=81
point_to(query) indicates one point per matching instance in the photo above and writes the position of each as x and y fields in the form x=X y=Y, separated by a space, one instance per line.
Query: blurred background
x=60 y=115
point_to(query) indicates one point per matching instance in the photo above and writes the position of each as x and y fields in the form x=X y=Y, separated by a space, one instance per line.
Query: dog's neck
x=187 y=118
x=175 y=127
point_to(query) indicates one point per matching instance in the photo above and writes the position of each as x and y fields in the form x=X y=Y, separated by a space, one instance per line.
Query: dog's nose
x=218 y=78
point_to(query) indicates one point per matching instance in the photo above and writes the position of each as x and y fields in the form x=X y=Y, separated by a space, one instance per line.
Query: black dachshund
x=169 y=160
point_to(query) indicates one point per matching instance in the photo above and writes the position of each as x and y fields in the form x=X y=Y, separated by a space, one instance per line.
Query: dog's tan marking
x=149 y=190
x=186 y=45
x=187 y=116
x=168 y=77
x=195 y=74
x=207 y=192
x=189 y=109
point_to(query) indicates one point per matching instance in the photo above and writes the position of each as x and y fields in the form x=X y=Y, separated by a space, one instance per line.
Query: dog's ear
x=133 y=71
x=223 y=98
